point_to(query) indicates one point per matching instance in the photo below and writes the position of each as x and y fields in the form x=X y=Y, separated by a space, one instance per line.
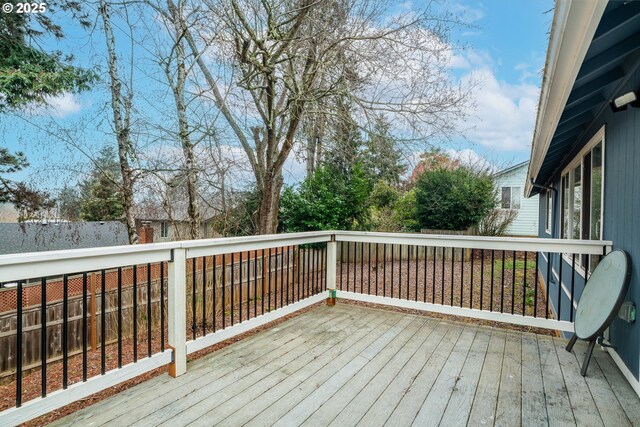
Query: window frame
x=578 y=160
x=511 y=193
x=164 y=229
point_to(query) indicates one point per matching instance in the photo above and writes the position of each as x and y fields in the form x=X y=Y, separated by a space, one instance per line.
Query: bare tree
x=177 y=81
x=274 y=60
x=121 y=104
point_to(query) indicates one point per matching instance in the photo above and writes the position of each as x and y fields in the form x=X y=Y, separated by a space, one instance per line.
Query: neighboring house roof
x=588 y=59
x=511 y=168
x=38 y=237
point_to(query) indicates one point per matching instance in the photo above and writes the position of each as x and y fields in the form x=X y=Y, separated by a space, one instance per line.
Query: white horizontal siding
x=526 y=223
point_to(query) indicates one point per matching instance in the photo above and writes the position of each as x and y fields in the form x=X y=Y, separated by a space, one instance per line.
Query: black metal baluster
x=416 y=261
x=103 y=331
x=262 y=282
x=482 y=280
x=408 y=271
x=453 y=276
x=240 y=289
x=149 y=323
x=502 y=286
x=384 y=270
x=560 y=287
x=281 y=277
x=84 y=326
x=214 y=285
x=233 y=285
x=348 y=263
x=43 y=336
x=162 y=306
x=119 y=317
x=424 y=290
x=535 y=289
x=433 y=281
x=269 y=280
x=194 y=319
x=255 y=283
x=361 y=267
x=493 y=264
x=135 y=313
x=400 y=273
x=369 y=269
x=204 y=296
x=288 y=271
x=299 y=271
x=546 y=313
x=573 y=279
x=19 y=345
x=355 y=266
x=65 y=331
x=444 y=252
x=224 y=286
x=392 y=263
x=462 y=279
x=473 y=273
x=524 y=288
x=316 y=270
x=377 y=269
x=513 y=283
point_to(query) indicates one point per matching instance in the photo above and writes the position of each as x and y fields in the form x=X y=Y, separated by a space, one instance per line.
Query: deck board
x=350 y=365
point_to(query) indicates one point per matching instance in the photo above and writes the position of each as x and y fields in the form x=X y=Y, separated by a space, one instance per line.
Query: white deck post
x=332 y=250
x=178 y=311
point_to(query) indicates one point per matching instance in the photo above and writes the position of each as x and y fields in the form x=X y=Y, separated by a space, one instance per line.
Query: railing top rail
x=39 y=264
x=533 y=244
x=50 y=263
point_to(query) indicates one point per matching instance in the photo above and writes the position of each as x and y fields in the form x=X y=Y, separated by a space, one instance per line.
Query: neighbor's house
x=53 y=236
x=585 y=163
x=509 y=183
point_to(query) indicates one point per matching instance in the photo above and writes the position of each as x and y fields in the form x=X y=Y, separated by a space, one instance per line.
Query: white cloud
x=505 y=113
x=471 y=159
x=58 y=106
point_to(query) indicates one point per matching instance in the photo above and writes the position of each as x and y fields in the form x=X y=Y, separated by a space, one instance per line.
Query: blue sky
x=505 y=53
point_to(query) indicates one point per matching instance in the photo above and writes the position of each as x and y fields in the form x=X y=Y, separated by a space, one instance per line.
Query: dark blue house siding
x=621 y=216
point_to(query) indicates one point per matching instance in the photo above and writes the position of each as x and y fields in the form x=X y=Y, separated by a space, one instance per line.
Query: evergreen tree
x=28 y=74
x=27 y=200
x=382 y=157
x=100 y=194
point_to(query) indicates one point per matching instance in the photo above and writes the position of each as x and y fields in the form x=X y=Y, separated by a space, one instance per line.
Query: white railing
x=427 y=254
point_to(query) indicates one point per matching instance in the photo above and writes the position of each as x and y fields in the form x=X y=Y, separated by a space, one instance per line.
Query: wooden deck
x=348 y=365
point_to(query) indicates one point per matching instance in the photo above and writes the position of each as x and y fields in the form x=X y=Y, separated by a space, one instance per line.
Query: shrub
x=331 y=199
x=453 y=199
x=496 y=222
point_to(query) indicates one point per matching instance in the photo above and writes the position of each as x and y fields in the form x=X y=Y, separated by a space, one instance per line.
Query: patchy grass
x=508 y=264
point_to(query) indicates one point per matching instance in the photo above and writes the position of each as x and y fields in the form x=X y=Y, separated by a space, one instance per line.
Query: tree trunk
x=269 y=203
x=183 y=122
x=121 y=125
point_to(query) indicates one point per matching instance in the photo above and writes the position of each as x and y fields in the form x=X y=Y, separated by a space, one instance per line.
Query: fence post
x=332 y=249
x=177 y=283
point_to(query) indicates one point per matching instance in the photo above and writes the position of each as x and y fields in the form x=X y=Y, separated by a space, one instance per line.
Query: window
x=547 y=224
x=164 y=229
x=582 y=193
x=510 y=198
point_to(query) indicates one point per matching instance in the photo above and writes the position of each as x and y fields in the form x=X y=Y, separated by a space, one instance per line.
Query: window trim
x=598 y=137
x=548 y=218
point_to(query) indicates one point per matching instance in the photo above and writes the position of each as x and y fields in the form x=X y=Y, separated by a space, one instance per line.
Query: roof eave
x=572 y=29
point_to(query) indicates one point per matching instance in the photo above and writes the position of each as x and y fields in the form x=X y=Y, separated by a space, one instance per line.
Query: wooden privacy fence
x=252 y=269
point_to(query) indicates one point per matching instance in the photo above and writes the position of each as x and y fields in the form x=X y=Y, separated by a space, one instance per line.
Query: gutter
x=572 y=29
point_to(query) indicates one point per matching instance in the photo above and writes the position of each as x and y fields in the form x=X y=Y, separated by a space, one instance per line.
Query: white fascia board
x=572 y=29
